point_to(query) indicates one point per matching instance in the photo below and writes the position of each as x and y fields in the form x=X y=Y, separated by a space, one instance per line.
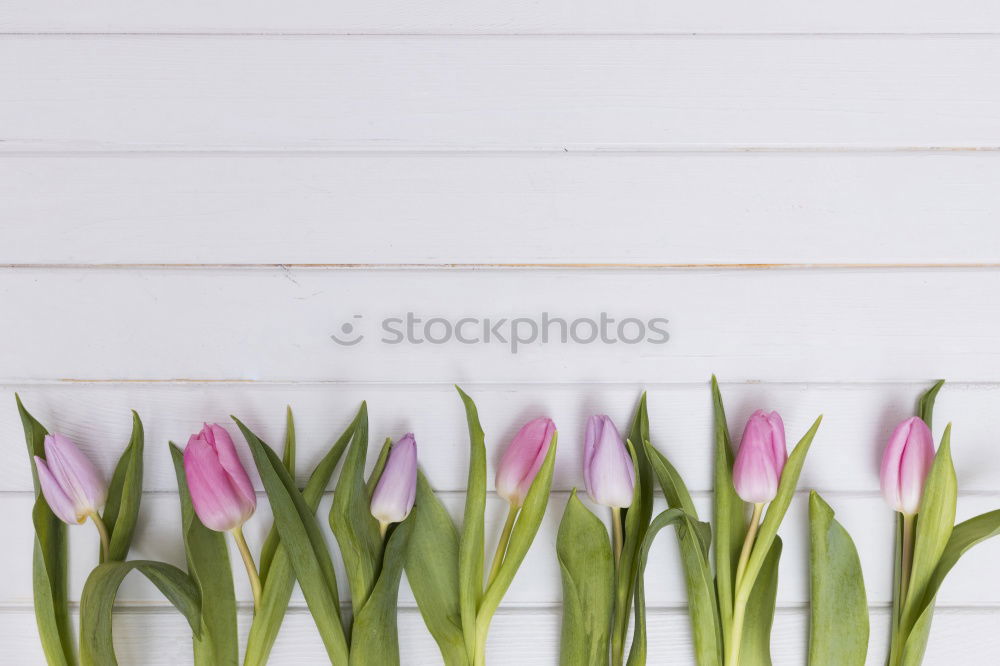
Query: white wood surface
x=650 y=208
x=497 y=93
x=147 y=148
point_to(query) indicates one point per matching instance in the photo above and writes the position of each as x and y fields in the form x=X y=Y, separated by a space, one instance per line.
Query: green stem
x=382 y=529
x=482 y=629
x=102 y=529
x=904 y=579
x=616 y=531
x=241 y=543
x=502 y=545
x=743 y=588
x=899 y=602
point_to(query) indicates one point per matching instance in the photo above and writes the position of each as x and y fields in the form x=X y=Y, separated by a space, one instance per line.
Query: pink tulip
x=607 y=465
x=760 y=459
x=72 y=486
x=221 y=492
x=905 y=464
x=522 y=459
x=393 y=498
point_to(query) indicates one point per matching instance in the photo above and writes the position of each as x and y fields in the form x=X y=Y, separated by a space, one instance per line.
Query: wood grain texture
x=494 y=16
x=429 y=208
x=496 y=93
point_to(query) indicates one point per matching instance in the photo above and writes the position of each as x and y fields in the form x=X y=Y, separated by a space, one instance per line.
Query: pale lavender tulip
x=905 y=464
x=396 y=490
x=607 y=465
x=221 y=492
x=761 y=458
x=72 y=486
x=522 y=459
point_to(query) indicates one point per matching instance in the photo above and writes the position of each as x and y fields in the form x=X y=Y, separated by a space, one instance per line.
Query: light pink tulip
x=905 y=464
x=221 y=492
x=761 y=458
x=522 y=459
x=607 y=465
x=396 y=490
x=72 y=486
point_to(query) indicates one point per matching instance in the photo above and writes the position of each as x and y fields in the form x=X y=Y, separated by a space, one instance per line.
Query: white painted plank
x=526 y=93
x=546 y=208
x=869 y=521
x=272 y=324
x=494 y=16
x=968 y=637
x=857 y=423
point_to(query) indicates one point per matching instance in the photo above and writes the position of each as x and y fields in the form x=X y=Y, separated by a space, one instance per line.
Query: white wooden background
x=194 y=196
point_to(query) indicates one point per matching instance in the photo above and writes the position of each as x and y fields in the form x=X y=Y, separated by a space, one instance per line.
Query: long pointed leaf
x=838 y=621
x=49 y=577
x=121 y=511
x=728 y=515
x=270 y=546
x=755 y=649
x=588 y=571
x=925 y=406
x=208 y=566
x=635 y=521
x=470 y=550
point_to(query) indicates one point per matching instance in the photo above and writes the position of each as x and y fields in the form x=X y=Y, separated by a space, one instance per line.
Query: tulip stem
x=742 y=589
x=502 y=545
x=102 y=529
x=383 y=527
x=241 y=543
x=748 y=542
x=907 y=556
x=617 y=534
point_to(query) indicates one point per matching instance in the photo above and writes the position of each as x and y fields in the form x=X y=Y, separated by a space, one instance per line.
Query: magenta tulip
x=905 y=464
x=72 y=486
x=607 y=465
x=221 y=492
x=761 y=458
x=522 y=460
x=393 y=498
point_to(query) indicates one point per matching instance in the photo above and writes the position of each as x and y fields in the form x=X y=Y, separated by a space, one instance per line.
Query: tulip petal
x=76 y=475
x=607 y=470
x=213 y=495
x=396 y=490
x=58 y=501
x=523 y=458
x=230 y=461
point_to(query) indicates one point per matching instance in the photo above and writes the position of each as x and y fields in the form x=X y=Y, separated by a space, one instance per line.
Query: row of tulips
x=392 y=521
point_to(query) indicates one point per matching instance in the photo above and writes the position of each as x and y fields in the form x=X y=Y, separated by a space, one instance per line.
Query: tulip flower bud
x=397 y=487
x=905 y=464
x=72 y=486
x=607 y=465
x=221 y=492
x=760 y=459
x=522 y=459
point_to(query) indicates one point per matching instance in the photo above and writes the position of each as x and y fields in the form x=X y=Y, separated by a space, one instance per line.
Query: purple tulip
x=393 y=498
x=221 y=492
x=522 y=459
x=761 y=458
x=72 y=486
x=905 y=464
x=607 y=465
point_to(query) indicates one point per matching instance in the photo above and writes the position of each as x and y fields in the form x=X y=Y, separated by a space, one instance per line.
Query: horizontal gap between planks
x=526 y=266
x=357 y=34
x=13 y=382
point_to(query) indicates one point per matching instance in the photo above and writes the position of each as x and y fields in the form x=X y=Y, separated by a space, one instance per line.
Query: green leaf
x=694 y=539
x=300 y=535
x=430 y=569
x=838 y=622
x=588 y=572
x=755 y=648
x=375 y=638
x=280 y=572
x=121 y=510
x=528 y=521
x=208 y=566
x=925 y=406
x=470 y=548
x=353 y=524
x=779 y=505
x=98 y=600
x=49 y=577
x=635 y=521
x=935 y=523
x=728 y=516
x=963 y=537
x=288 y=460
x=383 y=458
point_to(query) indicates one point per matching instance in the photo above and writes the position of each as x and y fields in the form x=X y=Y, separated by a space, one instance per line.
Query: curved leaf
x=588 y=570
x=216 y=643
x=838 y=622
x=470 y=546
x=121 y=510
x=431 y=565
x=270 y=546
x=98 y=600
x=925 y=406
x=49 y=577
